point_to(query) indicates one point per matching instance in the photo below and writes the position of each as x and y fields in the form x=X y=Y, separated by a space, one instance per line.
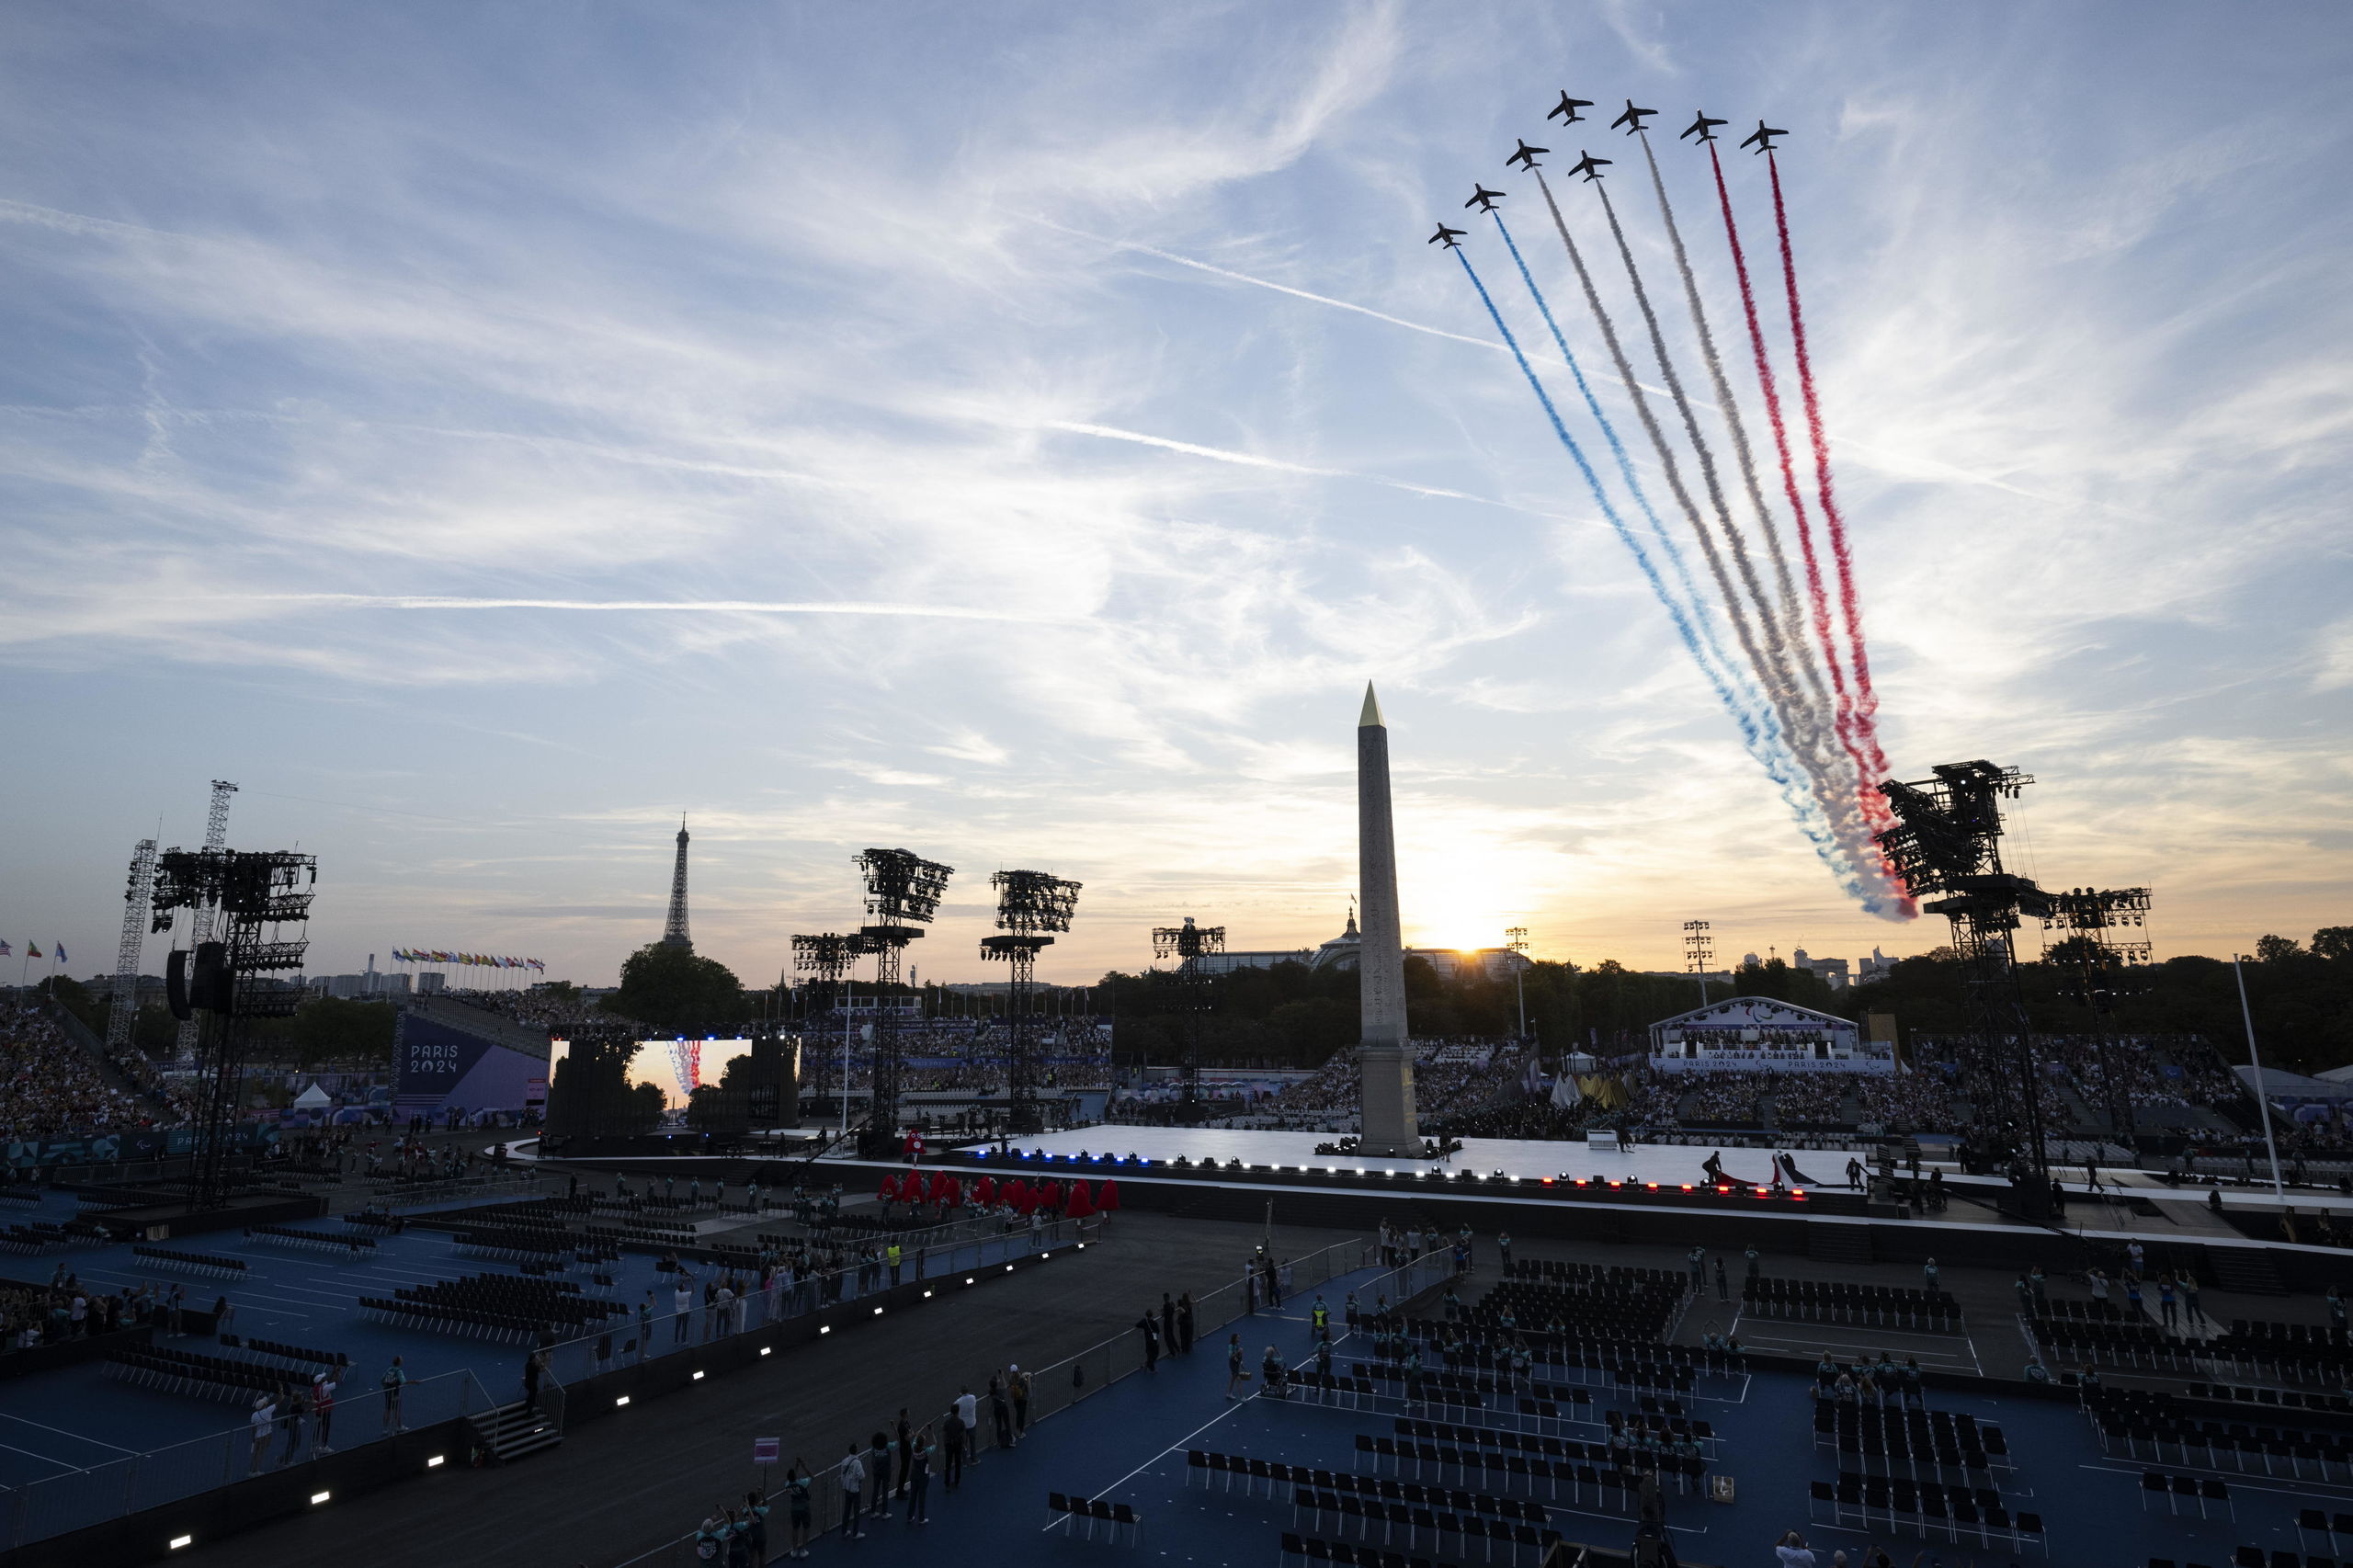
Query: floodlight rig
x=826 y=956
x=1030 y=905
x=1188 y=944
x=2088 y=916
x=903 y=892
x=1948 y=840
x=1698 y=953
x=234 y=975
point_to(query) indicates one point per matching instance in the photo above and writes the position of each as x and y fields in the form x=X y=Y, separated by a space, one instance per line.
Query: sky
x=1017 y=433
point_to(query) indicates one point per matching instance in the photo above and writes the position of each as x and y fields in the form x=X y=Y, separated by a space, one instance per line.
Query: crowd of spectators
x=65 y=1309
x=1451 y=1076
x=51 y=1086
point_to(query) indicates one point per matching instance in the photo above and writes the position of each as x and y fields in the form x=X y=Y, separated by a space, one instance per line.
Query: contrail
x=1252 y=459
x=1704 y=621
x=1849 y=603
x=1817 y=598
x=1734 y=425
x=1824 y=838
x=709 y=607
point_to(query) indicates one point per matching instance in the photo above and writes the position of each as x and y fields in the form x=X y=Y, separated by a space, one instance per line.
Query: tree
x=2333 y=942
x=673 y=988
x=2276 y=950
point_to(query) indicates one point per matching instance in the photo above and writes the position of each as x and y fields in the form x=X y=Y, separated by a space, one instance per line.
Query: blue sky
x=1014 y=344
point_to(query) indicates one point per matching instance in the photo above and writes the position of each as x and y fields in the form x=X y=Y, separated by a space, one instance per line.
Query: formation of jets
x=1702 y=127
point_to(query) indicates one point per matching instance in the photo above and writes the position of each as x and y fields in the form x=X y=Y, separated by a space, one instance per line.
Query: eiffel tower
x=674 y=930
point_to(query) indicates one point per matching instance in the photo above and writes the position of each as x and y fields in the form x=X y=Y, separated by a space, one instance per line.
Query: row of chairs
x=1953 y=1512
x=2256 y=1557
x=1601 y=1471
x=1069 y=1510
x=189 y=1372
x=1835 y=1300
x=2290 y=1399
x=1561 y=1271
x=314 y=1241
x=2177 y=1490
x=2217 y=1444
x=1510 y=1442
x=192 y=1262
x=2120 y=1345
x=331 y=1360
x=1363 y=1514
x=2333 y=1531
x=1346 y=1554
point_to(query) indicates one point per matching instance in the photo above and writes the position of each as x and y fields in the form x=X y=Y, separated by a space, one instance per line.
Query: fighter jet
x=1589 y=166
x=1633 y=119
x=1446 y=237
x=1566 y=109
x=1701 y=127
x=1526 y=157
x=1762 y=137
x=1484 y=199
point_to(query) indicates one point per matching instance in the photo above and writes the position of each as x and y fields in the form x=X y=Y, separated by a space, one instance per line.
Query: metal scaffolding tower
x=239 y=974
x=216 y=836
x=1948 y=839
x=903 y=892
x=2088 y=917
x=135 y=899
x=1698 y=953
x=1188 y=944
x=1029 y=906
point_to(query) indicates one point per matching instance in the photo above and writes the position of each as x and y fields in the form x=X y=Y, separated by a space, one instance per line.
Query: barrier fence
x=626 y=1341
x=59 y=1504
x=1076 y=1377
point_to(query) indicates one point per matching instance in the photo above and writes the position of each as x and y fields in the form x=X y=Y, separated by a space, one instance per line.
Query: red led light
x=1760 y=1192
x=1687 y=1186
x=1723 y=1189
x=1548 y=1181
x=1652 y=1185
x=1798 y=1193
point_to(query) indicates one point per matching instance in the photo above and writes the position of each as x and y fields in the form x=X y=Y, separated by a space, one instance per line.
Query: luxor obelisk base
x=1383 y=1051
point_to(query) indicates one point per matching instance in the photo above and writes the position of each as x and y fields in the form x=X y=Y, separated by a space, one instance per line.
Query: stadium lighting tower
x=135 y=899
x=826 y=958
x=216 y=836
x=1698 y=953
x=2087 y=918
x=902 y=892
x=1188 y=944
x=234 y=975
x=1030 y=906
x=1948 y=840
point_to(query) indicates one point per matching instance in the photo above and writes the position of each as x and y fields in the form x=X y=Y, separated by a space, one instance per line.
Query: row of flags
x=32 y=951
x=438 y=955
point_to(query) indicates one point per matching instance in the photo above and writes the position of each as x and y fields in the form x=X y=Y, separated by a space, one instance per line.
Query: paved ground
x=620 y=1487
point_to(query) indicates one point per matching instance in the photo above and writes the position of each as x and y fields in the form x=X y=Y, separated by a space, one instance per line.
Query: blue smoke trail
x=1771 y=754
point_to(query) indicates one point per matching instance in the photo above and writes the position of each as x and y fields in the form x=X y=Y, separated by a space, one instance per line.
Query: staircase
x=510 y=1431
x=2248 y=1270
x=1839 y=1244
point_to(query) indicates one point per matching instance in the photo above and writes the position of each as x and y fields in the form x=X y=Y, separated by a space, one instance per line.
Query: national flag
x=32 y=950
x=57 y=950
x=6 y=951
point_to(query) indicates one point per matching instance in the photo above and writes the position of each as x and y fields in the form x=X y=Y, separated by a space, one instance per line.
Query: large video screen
x=676 y=1067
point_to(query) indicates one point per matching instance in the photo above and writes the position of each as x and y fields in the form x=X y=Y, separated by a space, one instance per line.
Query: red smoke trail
x=1849 y=605
x=1816 y=595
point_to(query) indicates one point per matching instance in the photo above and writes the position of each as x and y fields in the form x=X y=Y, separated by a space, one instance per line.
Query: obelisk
x=1383 y=1051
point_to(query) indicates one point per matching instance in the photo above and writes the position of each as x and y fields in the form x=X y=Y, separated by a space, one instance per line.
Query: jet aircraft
x=1589 y=166
x=1762 y=137
x=1446 y=236
x=1703 y=128
x=1568 y=108
x=1526 y=157
x=1484 y=199
x=1633 y=119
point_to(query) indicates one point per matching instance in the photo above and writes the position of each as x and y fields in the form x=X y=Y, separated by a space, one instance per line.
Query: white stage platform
x=1664 y=1164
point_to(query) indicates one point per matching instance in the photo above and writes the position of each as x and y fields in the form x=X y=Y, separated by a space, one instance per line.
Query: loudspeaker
x=176 y=985
x=211 y=983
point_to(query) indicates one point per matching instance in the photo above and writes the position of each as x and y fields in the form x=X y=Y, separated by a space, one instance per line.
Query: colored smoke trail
x=1787 y=626
x=1704 y=622
x=1817 y=596
x=1798 y=718
x=1762 y=742
x=1849 y=604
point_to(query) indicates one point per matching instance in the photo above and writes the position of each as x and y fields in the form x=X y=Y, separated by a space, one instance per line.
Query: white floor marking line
x=43 y=1458
x=64 y=1433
